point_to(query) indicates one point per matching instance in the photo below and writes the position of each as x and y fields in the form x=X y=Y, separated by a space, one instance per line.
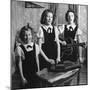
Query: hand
x=24 y=81
x=64 y=43
x=58 y=60
x=52 y=61
x=81 y=59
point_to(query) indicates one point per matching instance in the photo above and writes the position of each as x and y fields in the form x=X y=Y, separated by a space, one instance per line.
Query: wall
x=83 y=25
x=62 y=9
x=20 y=16
x=83 y=21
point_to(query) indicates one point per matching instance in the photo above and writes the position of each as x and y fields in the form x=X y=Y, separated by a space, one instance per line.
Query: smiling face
x=71 y=17
x=49 y=18
x=27 y=37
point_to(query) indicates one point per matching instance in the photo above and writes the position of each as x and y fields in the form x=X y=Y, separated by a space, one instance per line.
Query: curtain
x=74 y=8
x=53 y=7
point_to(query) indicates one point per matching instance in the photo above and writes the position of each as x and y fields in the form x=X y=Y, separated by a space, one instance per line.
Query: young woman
x=26 y=55
x=48 y=40
x=72 y=34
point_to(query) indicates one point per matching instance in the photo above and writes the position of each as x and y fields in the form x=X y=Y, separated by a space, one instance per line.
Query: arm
x=78 y=39
x=58 y=44
x=19 y=59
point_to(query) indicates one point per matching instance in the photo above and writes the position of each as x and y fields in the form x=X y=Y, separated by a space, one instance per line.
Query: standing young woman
x=48 y=40
x=71 y=35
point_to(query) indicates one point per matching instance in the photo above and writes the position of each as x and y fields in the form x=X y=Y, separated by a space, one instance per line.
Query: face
x=71 y=17
x=27 y=36
x=49 y=18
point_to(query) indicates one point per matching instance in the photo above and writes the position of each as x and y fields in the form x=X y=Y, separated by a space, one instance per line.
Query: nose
x=26 y=37
x=50 y=18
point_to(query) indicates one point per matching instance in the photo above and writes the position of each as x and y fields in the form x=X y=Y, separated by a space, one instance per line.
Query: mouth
x=49 y=21
x=27 y=40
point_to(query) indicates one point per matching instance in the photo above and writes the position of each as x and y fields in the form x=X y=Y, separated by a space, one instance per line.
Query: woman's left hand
x=64 y=43
x=58 y=60
x=52 y=61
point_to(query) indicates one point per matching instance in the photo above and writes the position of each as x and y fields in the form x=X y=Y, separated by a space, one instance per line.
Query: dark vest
x=49 y=46
x=68 y=33
x=29 y=65
x=48 y=37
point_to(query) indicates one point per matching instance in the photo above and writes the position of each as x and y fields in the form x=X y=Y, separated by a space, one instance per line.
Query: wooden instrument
x=69 y=47
x=75 y=44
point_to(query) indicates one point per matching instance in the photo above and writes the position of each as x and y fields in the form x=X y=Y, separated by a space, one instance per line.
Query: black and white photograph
x=49 y=44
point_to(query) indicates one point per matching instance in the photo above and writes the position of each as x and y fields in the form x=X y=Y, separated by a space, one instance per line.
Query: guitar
x=69 y=47
x=75 y=45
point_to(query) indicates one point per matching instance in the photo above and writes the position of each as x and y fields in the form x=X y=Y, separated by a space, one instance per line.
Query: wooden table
x=57 y=78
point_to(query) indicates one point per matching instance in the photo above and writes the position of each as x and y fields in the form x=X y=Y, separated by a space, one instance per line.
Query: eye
x=30 y=35
x=25 y=36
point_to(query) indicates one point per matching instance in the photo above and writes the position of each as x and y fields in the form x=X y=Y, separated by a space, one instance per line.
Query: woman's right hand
x=24 y=81
x=52 y=61
x=64 y=43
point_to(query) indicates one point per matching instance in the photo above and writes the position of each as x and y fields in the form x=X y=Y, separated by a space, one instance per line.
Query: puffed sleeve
x=61 y=28
x=56 y=33
x=40 y=34
x=78 y=34
x=19 y=52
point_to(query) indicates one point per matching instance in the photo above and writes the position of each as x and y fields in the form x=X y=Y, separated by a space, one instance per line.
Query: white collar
x=29 y=49
x=46 y=27
x=31 y=44
x=73 y=26
x=25 y=45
